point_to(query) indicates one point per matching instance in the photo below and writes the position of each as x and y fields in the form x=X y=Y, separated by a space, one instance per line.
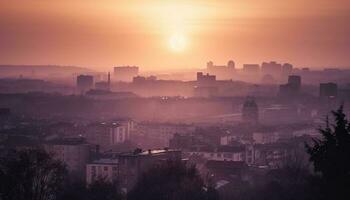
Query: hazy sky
x=164 y=34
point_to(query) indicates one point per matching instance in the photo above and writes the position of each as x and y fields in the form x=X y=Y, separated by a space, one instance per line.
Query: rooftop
x=67 y=141
x=140 y=152
x=105 y=161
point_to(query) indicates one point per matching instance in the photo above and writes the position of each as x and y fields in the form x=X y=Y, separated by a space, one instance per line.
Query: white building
x=108 y=134
x=103 y=168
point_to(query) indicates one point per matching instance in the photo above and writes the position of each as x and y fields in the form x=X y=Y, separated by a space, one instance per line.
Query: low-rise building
x=127 y=167
x=221 y=153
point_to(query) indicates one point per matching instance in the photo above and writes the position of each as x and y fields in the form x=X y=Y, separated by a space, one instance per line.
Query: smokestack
x=109 y=80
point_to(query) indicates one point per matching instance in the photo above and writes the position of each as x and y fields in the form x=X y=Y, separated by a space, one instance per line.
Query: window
x=105 y=168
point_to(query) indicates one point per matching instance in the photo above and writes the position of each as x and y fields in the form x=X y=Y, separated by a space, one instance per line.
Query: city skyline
x=174 y=100
x=174 y=35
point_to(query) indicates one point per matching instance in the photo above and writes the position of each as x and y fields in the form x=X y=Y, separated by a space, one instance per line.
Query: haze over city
x=174 y=100
x=174 y=35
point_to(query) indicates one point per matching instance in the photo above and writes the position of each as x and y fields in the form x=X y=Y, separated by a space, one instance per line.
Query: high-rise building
x=206 y=85
x=292 y=87
x=108 y=134
x=104 y=85
x=251 y=68
x=85 y=83
x=221 y=71
x=272 y=68
x=250 y=111
x=287 y=69
x=328 y=90
x=125 y=73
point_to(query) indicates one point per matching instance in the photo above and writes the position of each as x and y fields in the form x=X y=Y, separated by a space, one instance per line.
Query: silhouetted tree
x=172 y=180
x=331 y=157
x=73 y=189
x=291 y=180
x=30 y=175
x=101 y=189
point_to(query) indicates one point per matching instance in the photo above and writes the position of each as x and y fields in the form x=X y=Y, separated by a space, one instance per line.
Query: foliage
x=172 y=180
x=100 y=189
x=331 y=157
x=30 y=175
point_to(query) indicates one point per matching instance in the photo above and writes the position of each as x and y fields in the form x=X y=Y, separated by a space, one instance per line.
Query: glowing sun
x=177 y=42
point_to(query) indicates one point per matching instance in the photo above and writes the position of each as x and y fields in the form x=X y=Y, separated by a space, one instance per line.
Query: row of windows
x=105 y=168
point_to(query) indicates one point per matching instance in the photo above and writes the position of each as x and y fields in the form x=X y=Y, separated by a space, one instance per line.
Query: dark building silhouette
x=292 y=87
x=206 y=85
x=328 y=90
x=205 y=80
x=85 y=83
x=143 y=79
x=5 y=112
x=125 y=73
x=295 y=82
x=250 y=111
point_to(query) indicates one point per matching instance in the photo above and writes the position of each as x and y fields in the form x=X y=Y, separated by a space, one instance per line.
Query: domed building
x=231 y=64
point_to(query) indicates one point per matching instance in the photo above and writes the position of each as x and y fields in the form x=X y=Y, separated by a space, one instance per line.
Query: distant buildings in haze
x=85 y=83
x=107 y=134
x=104 y=85
x=272 y=68
x=221 y=71
x=125 y=73
x=205 y=86
x=328 y=90
x=251 y=68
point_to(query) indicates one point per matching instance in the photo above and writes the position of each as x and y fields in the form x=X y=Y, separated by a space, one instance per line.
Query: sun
x=177 y=42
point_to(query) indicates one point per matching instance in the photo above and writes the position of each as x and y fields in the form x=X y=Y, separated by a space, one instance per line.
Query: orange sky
x=101 y=34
